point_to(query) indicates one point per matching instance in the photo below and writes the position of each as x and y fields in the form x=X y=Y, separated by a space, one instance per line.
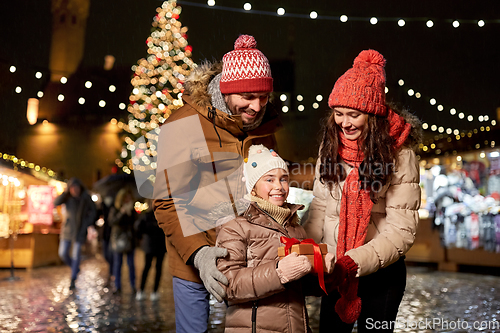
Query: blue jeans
x=191 y=306
x=72 y=260
x=117 y=268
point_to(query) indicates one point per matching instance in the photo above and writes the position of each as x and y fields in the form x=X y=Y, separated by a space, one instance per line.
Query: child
x=264 y=294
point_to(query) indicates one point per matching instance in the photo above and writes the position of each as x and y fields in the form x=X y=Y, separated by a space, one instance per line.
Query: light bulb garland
x=452 y=111
x=431 y=145
x=23 y=164
x=316 y=15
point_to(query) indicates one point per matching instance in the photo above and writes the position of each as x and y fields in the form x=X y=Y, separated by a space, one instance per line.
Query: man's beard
x=256 y=123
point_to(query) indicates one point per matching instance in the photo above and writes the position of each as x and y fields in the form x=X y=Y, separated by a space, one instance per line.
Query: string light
x=440 y=107
x=12 y=69
x=247 y=6
x=19 y=162
x=343 y=18
x=38 y=75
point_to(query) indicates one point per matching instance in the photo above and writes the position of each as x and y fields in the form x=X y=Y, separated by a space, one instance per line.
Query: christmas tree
x=157 y=89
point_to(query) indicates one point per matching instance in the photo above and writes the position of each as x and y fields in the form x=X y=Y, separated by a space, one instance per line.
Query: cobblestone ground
x=40 y=301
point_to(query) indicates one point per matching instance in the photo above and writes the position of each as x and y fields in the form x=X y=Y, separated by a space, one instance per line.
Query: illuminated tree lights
x=157 y=87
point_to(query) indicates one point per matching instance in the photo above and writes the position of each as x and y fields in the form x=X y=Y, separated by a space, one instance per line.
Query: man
x=224 y=113
x=80 y=214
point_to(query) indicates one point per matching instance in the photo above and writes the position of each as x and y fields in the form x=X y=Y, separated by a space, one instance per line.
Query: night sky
x=459 y=67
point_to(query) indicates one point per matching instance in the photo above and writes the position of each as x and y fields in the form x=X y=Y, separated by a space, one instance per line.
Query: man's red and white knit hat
x=245 y=69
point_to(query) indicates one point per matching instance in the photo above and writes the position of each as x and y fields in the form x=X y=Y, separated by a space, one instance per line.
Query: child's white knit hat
x=260 y=161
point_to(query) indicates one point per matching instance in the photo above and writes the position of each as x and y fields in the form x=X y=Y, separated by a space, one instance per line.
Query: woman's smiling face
x=351 y=122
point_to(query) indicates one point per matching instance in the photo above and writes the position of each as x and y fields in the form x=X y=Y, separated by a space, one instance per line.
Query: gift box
x=306 y=250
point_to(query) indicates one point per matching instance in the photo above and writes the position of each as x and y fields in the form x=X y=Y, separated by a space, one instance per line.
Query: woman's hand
x=329 y=262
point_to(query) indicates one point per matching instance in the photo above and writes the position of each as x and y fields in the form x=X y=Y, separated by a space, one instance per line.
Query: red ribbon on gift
x=318 y=257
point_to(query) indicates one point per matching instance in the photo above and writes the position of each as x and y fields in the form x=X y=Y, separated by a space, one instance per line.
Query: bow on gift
x=318 y=257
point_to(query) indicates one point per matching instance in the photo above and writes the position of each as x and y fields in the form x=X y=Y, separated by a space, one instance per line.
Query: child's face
x=273 y=187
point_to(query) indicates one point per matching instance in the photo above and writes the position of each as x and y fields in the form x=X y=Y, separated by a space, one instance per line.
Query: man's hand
x=206 y=262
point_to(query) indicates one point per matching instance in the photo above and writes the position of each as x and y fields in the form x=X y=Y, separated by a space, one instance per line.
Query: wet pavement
x=40 y=301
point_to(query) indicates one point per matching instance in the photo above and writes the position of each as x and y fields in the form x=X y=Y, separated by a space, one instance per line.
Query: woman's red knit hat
x=363 y=86
x=245 y=69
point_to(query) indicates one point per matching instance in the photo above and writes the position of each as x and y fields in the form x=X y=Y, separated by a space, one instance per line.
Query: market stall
x=460 y=220
x=29 y=233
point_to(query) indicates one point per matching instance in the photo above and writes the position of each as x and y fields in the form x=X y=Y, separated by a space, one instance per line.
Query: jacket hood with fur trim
x=196 y=84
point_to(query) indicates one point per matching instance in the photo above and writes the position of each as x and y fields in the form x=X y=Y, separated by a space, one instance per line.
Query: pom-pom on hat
x=245 y=69
x=260 y=161
x=363 y=86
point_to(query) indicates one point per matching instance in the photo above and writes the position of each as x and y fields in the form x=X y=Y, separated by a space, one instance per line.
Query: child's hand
x=329 y=262
x=293 y=267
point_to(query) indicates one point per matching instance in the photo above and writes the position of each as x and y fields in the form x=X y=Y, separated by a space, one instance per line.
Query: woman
x=366 y=200
x=121 y=218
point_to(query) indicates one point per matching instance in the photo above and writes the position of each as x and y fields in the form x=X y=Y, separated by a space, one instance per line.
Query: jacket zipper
x=254 y=316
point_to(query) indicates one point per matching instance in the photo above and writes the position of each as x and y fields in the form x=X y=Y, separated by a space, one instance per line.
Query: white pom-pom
x=255 y=149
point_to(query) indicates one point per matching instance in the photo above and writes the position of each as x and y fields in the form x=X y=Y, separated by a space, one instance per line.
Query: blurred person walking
x=80 y=214
x=153 y=245
x=105 y=236
x=121 y=219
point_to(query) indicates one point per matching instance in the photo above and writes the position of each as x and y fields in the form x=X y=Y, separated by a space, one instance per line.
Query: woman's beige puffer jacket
x=393 y=222
x=252 y=241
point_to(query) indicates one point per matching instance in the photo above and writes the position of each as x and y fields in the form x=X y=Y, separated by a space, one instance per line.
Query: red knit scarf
x=356 y=205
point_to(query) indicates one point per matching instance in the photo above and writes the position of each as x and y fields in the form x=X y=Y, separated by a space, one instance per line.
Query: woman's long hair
x=377 y=146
